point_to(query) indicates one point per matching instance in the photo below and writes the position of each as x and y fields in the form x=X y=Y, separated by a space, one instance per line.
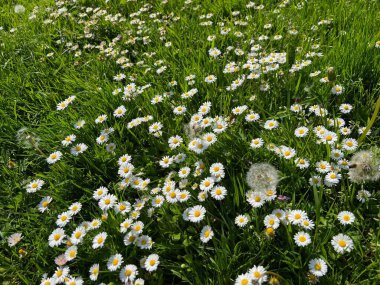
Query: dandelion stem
x=371 y=122
x=317 y=203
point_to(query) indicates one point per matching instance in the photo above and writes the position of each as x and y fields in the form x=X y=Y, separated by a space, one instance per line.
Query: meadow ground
x=189 y=142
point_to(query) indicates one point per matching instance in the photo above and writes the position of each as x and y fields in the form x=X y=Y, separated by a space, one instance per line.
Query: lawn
x=189 y=142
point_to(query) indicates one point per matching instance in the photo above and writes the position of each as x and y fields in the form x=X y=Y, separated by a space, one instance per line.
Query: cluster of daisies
x=187 y=176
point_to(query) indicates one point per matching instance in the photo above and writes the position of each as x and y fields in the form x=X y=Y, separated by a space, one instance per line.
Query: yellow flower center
x=128 y=272
x=100 y=240
x=297 y=216
x=317 y=266
x=107 y=201
x=207 y=233
x=122 y=207
x=346 y=218
x=152 y=262
x=244 y=282
x=197 y=213
x=257 y=274
x=115 y=262
x=302 y=238
x=342 y=243
x=45 y=204
x=78 y=234
x=257 y=198
x=34 y=185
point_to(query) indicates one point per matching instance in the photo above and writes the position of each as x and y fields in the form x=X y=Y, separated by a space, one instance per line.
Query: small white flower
x=342 y=243
x=114 y=262
x=302 y=239
x=318 y=267
x=206 y=234
x=346 y=218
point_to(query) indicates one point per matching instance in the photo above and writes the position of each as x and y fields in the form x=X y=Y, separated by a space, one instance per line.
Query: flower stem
x=371 y=122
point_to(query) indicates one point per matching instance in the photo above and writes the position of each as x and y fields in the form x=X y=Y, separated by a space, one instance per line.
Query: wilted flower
x=14 y=239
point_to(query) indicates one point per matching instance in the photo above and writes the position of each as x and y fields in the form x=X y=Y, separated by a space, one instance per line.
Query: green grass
x=32 y=84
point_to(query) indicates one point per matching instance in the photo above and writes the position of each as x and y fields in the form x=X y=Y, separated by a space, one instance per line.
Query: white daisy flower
x=100 y=192
x=302 y=239
x=128 y=273
x=94 y=272
x=43 y=205
x=271 y=221
x=34 y=186
x=206 y=234
x=54 y=157
x=196 y=213
x=218 y=192
x=256 y=199
x=318 y=267
x=63 y=219
x=69 y=140
x=346 y=217
x=241 y=221
x=151 y=263
x=71 y=253
x=126 y=170
x=99 y=240
x=258 y=274
x=257 y=142
x=107 y=202
x=78 y=149
x=56 y=237
x=114 y=262
x=243 y=279
x=342 y=243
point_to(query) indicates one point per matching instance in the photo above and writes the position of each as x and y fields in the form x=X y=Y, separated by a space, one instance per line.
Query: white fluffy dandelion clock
x=262 y=176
